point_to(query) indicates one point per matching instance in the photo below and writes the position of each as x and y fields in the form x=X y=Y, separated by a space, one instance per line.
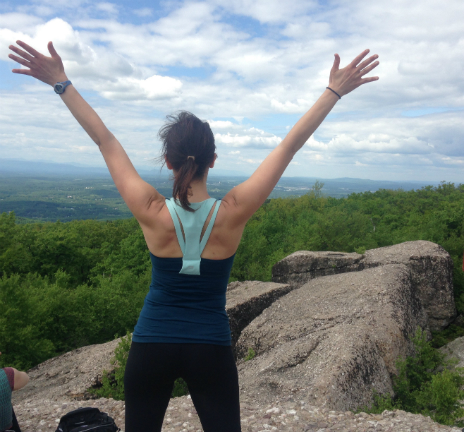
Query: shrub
x=251 y=354
x=426 y=384
x=113 y=382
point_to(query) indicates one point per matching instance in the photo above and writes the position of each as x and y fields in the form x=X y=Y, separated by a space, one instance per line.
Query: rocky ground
x=43 y=416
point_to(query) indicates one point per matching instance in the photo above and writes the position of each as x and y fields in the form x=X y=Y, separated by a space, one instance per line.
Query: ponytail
x=182 y=180
x=188 y=145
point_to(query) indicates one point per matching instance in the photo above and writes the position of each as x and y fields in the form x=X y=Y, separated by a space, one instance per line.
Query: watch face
x=60 y=87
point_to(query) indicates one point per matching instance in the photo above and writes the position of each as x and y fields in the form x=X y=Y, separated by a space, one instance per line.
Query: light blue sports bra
x=189 y=226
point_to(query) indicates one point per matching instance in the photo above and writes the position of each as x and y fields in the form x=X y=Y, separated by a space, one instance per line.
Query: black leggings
x=15 y=426
x=208 y=370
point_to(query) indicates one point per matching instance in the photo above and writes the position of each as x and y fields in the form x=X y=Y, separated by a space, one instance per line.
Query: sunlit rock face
x=430 y=265
x=247 y=300
x=335 y=339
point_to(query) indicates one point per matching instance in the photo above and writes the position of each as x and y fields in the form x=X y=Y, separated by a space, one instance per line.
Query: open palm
x=49 y=70
x=345 y=80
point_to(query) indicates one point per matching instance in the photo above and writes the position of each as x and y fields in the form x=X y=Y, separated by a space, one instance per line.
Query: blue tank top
x=6 y=410
x=187 y=297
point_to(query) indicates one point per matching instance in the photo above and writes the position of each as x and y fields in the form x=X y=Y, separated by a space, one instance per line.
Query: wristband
x=60 y=87
x=333 y=91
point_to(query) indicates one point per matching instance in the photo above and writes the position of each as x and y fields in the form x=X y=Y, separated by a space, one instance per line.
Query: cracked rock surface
x=334 y=340
x=430 y=265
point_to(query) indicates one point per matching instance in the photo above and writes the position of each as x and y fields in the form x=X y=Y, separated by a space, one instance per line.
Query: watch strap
x=60 y=87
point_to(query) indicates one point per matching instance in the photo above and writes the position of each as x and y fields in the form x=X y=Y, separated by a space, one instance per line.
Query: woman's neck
x=198 y=191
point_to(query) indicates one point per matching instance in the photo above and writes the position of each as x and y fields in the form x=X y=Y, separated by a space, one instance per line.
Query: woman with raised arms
x=183 y=329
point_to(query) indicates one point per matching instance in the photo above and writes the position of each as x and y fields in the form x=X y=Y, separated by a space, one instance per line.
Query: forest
x=66 y=285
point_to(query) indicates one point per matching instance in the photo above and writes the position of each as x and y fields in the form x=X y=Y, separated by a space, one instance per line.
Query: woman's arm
x=20 y=379
x=138 y=195
x=247 y=197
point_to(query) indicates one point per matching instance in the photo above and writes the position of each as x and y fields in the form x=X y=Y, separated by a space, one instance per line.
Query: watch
x=60 y=87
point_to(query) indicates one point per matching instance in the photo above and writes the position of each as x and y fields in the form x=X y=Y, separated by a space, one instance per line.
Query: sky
x=251 y=68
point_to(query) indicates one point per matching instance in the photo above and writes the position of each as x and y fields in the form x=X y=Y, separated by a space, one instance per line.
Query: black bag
x=87 y=419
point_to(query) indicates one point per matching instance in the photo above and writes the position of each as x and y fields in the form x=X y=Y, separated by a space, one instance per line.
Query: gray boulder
x=68 y=375
x=431 y=274
x=334 y=340
x=430 y=265
x=247 y=300
x=302 y=266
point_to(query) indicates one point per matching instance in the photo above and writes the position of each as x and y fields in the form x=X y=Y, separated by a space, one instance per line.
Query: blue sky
x=251 y=68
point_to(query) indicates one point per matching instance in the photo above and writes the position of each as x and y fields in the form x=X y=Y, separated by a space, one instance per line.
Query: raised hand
x=345 y=80
x=49 y=70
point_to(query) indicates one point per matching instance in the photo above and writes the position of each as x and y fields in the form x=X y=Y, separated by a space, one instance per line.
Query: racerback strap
x=188 y=227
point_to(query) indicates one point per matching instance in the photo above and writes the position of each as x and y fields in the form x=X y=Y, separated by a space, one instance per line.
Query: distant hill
x=26 y=168
x=22 y=168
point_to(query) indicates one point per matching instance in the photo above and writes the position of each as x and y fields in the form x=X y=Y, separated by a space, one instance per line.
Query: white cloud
x=251 y=161
x=223 y=124
x=18 y=21
x=268 y=11
x=144 y=12
x=154 y=87
x=235 y=140
x=109 y=8
x=274 y=66
x=246 y=138
x=290 y=107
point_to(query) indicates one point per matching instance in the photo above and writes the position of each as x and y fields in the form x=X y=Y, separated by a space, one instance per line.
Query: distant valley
x=49 y=192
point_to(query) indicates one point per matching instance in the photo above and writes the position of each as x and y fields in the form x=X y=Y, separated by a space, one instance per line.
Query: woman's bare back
x=162 y=240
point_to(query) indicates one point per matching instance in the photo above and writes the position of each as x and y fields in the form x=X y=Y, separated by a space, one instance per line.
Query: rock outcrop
x=430 y=265
x=302 y=266
x=431 y=270
x=68 y=375
x=247 y=300
x=334 y=340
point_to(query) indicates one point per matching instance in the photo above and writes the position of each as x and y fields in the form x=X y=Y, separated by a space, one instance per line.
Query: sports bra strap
x=188 y=227
x=209 y=228
x=175 y=218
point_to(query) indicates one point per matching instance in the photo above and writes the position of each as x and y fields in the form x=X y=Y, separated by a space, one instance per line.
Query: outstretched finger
x=370 y=79
x=19 y=60
x=367 y=62
x=369 y=68
x=336 y=64
x=28 y=48
x=22 y=71
x=22 y=53
x=359 y=57
x=52 y=50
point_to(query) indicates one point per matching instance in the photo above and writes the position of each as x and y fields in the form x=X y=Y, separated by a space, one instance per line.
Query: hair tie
x=193 y=157
x=333 y=91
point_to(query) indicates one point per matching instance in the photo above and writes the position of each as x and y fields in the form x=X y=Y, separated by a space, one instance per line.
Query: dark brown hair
x=182 y=136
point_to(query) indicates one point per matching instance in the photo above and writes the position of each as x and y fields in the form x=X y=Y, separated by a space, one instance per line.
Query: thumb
x=336 y=62
x=51 y=50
